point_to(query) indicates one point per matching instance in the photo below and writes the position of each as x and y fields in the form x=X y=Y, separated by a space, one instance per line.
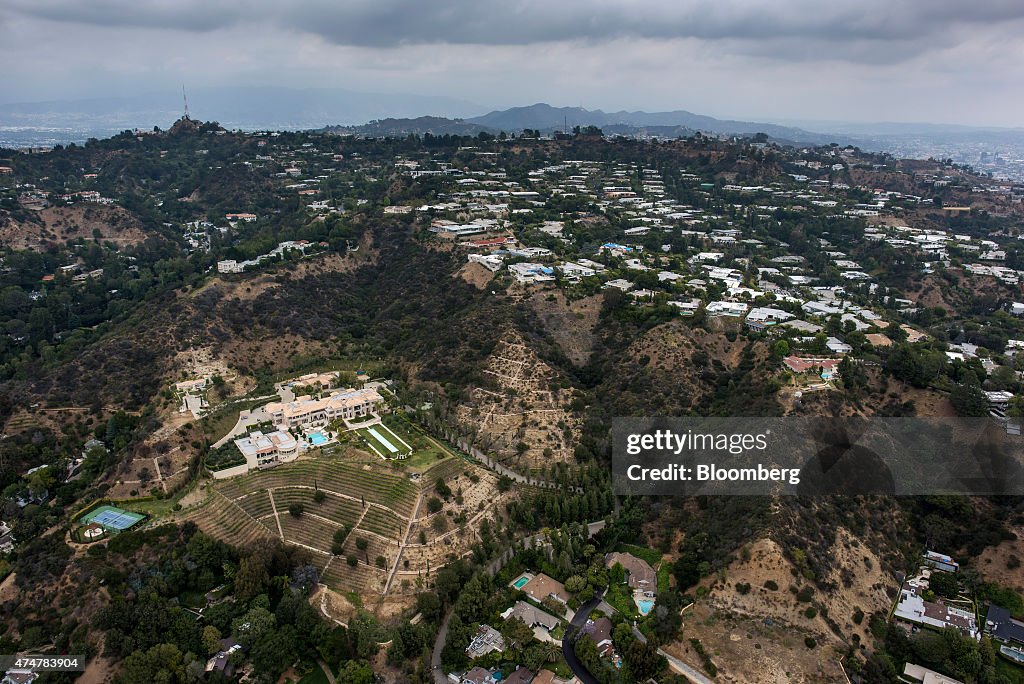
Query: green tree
x=251 y=579
x=211 y=639
x=161 y=664
x=356 y=672
x=968 y=399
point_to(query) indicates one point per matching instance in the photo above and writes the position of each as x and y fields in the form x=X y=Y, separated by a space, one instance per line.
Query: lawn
x=315 y=676
x=423 y=459
x=664 y=577
x=426 y=452
x=375 y=444
x=620 y=597
x=1007 y=669
x=652 y=556
x=155 y=508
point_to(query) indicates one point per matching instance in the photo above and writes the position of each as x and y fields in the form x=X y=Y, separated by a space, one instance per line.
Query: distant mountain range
x=546 y=118
x=373 y=114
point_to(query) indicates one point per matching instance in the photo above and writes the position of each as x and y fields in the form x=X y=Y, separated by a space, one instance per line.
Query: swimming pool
x=521 y=582
x=645 y=605
x=317 y=439
x=380 y=438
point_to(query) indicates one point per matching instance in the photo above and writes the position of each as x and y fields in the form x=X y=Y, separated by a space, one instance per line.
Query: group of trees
x=267 y=610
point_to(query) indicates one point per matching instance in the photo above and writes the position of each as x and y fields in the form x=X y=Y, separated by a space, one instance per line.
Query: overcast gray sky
x=954 y=61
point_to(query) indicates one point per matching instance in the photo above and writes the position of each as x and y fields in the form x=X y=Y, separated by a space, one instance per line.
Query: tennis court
x=112 y=518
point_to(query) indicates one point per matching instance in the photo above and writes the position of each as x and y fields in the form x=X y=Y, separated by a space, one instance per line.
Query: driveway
x=569 y=641
x=682 y=668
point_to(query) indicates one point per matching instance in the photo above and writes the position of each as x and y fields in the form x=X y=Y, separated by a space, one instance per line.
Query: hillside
x=499 y=302
x=57 y=225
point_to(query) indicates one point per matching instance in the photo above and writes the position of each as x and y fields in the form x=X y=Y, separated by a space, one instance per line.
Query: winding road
x=442 y=632
x=569 y=641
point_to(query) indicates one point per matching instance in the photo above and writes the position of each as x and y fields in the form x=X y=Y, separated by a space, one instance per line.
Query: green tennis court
x=112 y=518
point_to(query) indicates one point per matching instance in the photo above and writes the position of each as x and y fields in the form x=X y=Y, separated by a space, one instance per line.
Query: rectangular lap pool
x=380 y=438
x=521 y=582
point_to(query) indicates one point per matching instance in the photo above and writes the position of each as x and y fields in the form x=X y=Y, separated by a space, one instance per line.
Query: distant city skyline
x=936 y=61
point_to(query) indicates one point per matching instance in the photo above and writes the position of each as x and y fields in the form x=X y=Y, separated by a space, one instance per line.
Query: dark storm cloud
x=845 y=59
x=855 y=30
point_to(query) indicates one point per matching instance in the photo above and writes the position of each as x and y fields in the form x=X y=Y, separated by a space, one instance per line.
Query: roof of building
x=802 y=365
x=259 y=443
x=641 y=574
x=336 y=401
x=531 y=615
x=478 y=675
x=542 y=586
x=521 y=675
x=600 y=631
x=926 y=676
x=544 y=677
x=1001 y=625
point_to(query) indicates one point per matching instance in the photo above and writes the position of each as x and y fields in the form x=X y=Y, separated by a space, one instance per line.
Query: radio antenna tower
x=184 y=97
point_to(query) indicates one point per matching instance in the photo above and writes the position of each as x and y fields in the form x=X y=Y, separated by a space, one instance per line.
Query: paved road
x=682 y=668
x=435 y=656
x=578 y=669
x=569 y=642
x=442 y=633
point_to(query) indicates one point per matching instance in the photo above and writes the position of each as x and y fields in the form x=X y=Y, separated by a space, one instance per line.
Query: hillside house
x=914 y=609
x=541 y=587
x=1001 y=626
x=763 y=317
x=531 y=615
x=266 y=450
x=477 y=675
x=343 y=404
x=940 y=561
x=640 y=575
x=528 y=273
x=600 y=632
x=723 y=308
x=17 y=675
x=573 y=272
x=918 y=674
x=826 y=368
x=486 y=640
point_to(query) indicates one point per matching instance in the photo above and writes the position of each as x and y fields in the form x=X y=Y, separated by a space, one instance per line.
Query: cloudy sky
x=952 y=61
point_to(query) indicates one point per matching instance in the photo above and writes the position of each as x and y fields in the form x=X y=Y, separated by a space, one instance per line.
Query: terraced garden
x=370 y=482
x=373 y=501
x=257 y=504
x=361 y=578
x=222 y=518
x=334 y=508
x=308 y=531
x=382 y=522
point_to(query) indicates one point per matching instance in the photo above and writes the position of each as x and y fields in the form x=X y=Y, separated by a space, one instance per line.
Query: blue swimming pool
x=645 y=606
x=317 y=439
x=519 y=583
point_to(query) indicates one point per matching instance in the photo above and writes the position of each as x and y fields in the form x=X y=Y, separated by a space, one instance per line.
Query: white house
x=528 y=273
x=727 y=309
